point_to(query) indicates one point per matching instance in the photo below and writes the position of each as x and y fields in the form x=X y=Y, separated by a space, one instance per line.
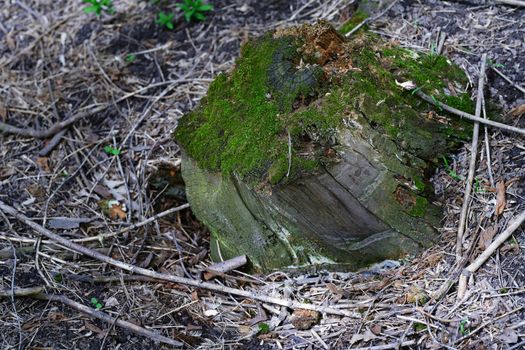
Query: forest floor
x=123 y=81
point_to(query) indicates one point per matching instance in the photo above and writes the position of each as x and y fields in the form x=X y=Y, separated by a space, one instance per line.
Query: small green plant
x=495 y=64
x=97 y=6
x=194 y=9
x=131 y=58
x=264 y=328
x=463 y=327
x=165 y=19
x=111 y=151
x=451 y=172
x=97 y=304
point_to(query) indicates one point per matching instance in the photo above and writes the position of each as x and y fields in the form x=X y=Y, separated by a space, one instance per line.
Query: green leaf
x=90 y=9
x=205 y=7
x=169 y=25
x=199 y=16
x=110 y=150
x=264 y=328
x=130 y=58
x=187 y=16
x=94 y=301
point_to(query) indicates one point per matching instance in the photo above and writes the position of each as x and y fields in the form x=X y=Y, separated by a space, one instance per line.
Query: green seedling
x=165 y=19
x=131 y=58
x=98 y=6
x=111 y=151
x=97 y=304
x=463 y=327
x=264 y=328
x=437 y=103
x=451 y=172
x=194 y=9
x=495 y=65
x=418 y=327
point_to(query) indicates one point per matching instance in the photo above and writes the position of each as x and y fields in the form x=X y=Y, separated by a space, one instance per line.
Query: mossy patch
x=277 y=115
x=358 y=17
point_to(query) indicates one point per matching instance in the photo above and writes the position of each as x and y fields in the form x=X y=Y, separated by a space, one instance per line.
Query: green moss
x=420 y=207
x=358 y=17
x=275 y=91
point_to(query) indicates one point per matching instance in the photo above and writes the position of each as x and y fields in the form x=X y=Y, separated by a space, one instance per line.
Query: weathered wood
x=309 y=154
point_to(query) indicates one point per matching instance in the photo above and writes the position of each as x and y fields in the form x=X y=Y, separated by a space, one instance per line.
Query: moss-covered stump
x=309 y=153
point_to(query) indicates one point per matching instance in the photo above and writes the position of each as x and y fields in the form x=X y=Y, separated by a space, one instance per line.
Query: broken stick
x=171 y=278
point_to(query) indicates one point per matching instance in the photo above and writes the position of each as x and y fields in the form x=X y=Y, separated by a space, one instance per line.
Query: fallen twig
x=171 y=278
x=512 y=2
x=20 y=292
x=111 y=320
x=508 y=80
x=468 y=116
x=480 y=260
x=484 y=324
x=388 y=346
x=102 y=236
x=472 y=165
x=370 y=19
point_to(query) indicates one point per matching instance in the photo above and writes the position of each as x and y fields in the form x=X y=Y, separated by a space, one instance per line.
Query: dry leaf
x=500 y=198
x=486 y=237
x=64 y=223
x=517 y=111
x=305 y=319
x=416 y=295
x=43 y=163
x=117 y=211
x=407 y=85
x=376 y=329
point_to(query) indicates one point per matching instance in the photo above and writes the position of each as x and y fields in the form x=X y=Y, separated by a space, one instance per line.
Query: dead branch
x=512 y=2
x=111 y=320
x=480 y=260
x=472 y=165
x=171 y=278
x=468 y=116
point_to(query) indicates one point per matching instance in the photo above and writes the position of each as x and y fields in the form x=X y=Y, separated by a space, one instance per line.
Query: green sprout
x=112 y=151
x=130 y=58
x=495 y=65
x=97 y=6
x=436 y=102
x=165 y=19
x=463 y=327
x=194 y=9
x=97 y=304
x=451 y=172
x=264 y=328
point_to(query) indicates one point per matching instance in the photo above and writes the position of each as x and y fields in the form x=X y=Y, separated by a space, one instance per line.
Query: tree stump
x=309 y=153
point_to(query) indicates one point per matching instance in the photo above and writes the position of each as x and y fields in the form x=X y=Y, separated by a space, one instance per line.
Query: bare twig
x=474 y=266
x=472 y=165
x=20 y=292
x=171 y=278
x=508 y=80
x=468 y=116
x=105 y=317
x=371 y=19
x=134 y=226
x=512 y=2
x=387 y=346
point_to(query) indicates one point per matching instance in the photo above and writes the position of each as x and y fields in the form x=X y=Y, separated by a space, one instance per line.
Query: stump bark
x=308 y=153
